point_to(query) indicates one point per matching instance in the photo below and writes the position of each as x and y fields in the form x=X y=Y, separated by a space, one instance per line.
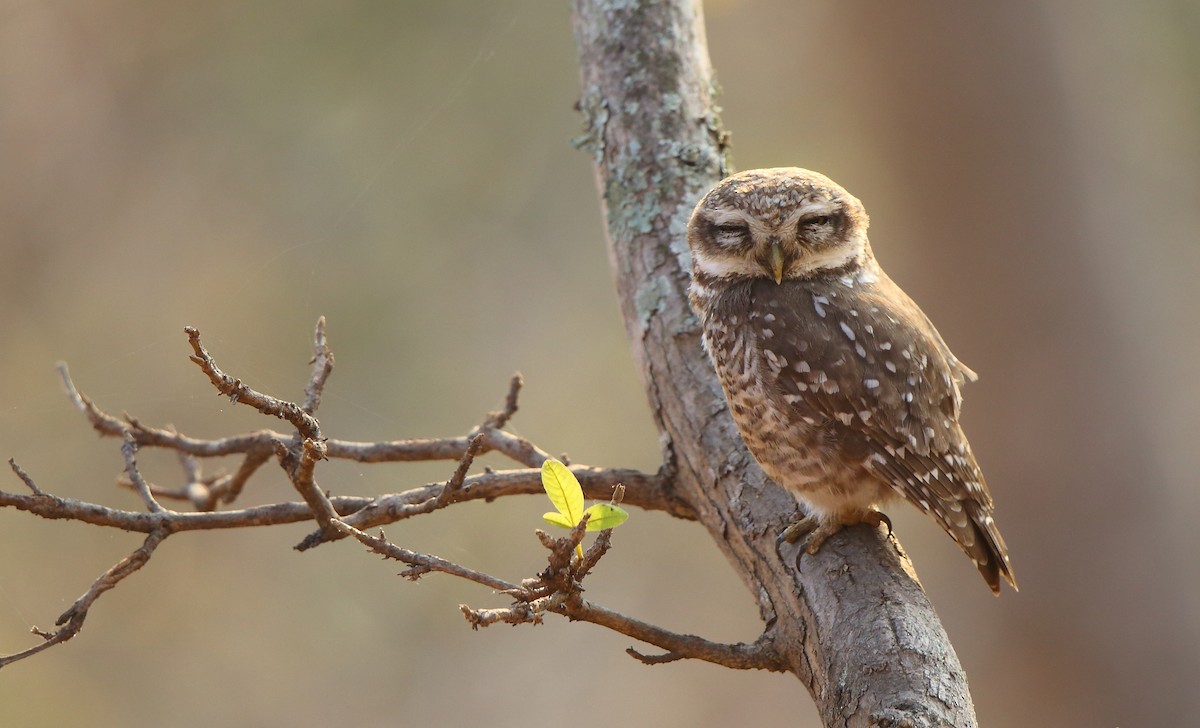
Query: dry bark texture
x=851 y=622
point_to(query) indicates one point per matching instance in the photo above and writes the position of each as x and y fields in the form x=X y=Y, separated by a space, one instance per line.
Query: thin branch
x=262 y=442
x=304 y=423
x=759 y=655
x=129 y=451
x=455 y=484
x=12 y=463
x=54 y=507
x=229 y=489
x=500 y=418
x=649 y=492
x=360 y=511
x=303 y=477
x=71 y=621
x=424 y=562
x=105 y=423
x=322 y=362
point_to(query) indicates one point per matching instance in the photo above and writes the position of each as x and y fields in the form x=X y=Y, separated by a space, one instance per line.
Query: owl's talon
x=883 y=518
x=797 y=530
x=818 y=537
x=810 y=533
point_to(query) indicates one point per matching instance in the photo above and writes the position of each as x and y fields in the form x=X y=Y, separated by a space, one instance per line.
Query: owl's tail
x=988 y=549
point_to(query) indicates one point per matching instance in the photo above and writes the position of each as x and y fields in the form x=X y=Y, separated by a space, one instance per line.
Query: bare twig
x=455 y=484
x=304 y=423
x=759 y=655
x=229 y=489
x=425 y=562
x=500 y=418
x=28 y=481
x=322 y=362
x=71 y=621
x=303 y=478
x=105 y=423
x=129 y=451
x=359 y=511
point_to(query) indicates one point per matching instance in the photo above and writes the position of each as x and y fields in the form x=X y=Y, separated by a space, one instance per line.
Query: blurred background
x=1032 y=170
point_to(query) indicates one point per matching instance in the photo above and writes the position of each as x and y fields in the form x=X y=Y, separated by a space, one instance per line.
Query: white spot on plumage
x=885 y=346
x=819 y=303
x=861 y=351
x=849 y=332
x=890 y=366
x=871 y=383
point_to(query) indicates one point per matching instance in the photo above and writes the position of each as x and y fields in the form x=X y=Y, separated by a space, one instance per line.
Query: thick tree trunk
x=851 y=622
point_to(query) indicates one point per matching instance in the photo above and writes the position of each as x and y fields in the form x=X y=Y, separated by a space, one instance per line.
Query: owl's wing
x=865 y=363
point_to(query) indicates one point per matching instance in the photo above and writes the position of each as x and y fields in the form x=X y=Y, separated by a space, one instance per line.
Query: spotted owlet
x=841 y=387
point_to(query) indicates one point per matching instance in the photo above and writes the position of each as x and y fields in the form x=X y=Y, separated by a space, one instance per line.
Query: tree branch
x=71 y=621
x=557 y=590
x=850 y=622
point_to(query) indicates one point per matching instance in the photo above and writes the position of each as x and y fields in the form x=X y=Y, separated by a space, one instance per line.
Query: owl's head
x=782 y=224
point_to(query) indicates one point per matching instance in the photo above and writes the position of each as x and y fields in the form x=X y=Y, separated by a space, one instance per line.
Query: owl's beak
x=776 y=259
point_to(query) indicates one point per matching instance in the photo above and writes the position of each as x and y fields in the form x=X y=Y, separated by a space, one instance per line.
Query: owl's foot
x=812 y=534
x=797 y=530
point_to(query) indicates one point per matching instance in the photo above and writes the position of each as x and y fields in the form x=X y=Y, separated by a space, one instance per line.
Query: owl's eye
x=815 y=221
x=730 y=233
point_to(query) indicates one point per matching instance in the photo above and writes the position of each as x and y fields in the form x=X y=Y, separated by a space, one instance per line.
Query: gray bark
x=851 y=622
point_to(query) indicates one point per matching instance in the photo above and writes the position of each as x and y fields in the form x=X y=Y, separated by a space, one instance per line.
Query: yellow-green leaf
x=557 y=519
x=602 y=516
x=563 y=489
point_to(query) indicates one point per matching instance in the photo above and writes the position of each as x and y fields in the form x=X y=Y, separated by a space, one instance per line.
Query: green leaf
x=564 y=490
x=603 y=516
x=557 y=519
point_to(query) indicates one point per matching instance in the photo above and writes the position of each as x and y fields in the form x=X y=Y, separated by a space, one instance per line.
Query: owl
x=841 y=387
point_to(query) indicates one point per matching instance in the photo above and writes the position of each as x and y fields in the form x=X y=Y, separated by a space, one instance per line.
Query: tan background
x=1033 y=175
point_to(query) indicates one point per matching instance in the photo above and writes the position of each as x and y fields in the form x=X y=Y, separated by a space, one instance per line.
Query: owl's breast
x=751 y=352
